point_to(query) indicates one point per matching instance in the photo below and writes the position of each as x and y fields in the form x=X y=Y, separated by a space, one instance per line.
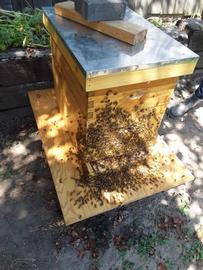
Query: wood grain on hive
x=57 y=144
x=92 y=72
x=71 y=97
x=138 y=99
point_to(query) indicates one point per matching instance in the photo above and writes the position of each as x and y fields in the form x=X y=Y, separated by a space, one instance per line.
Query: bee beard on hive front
x=111 y=150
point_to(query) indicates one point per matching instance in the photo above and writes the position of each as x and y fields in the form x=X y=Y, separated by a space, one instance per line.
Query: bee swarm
x=113 y=153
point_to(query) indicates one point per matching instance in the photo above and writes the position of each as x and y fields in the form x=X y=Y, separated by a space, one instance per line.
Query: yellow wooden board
x=71 y=97
x=139 y=76
x=125 y=31
x=155 y=94
x=57 y=143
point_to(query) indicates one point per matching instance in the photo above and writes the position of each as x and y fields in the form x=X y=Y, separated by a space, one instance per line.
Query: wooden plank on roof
x=123 y=30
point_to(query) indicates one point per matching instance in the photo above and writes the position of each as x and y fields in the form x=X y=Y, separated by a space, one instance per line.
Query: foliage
x=147 y=244
x=122 y=254
x=169 y=265
x=193 y=251
x=184 y=207
x=22 y=29
x=158 y=22
x=127 y=265
x=6 y=173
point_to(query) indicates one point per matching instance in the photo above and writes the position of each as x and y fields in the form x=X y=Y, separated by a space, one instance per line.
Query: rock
x=103 y=10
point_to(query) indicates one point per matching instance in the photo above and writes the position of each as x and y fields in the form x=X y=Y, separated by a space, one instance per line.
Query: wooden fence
x=143 y=7
x=21 y=4
x=150 y=7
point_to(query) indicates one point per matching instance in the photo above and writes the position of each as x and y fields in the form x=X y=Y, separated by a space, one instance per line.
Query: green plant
x=6 y=173
x=158 y=22
x=97 y=263
x=22 y=29
x=131 y=242
x=184 y=208
x=122 y=254
x=169 y=265
x=184 y=204
x=189 y=232
x=147 y=244
x=193 y=251
x=1 y=172
x=127 y=265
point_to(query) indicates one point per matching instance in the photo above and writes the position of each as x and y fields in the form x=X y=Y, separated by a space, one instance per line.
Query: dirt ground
x=162 y=232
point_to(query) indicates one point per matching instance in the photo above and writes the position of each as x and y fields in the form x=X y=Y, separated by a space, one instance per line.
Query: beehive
x=100 y=124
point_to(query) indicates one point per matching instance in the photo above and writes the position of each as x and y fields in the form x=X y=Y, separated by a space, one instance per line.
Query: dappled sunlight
x=23 y=209
x=184 y=136
x=59 y=152
x=186 y=141
x=52 y=133
x=177 y=145
x=164 y=202
x=15 y=192
x=198 y=171
x=29 y=207
x=114 y=196
x=198 y=114
x=43 y=118
x=198 y=181
x=19 y=153
x=179 y=125
x=139 y=170
x=4 y=187
x=199 y=230
x=18 y=149
x=195 y=210
x=55 y=119
x=22 y=214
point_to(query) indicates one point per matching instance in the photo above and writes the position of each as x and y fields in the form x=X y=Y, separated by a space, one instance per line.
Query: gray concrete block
x=101 y=10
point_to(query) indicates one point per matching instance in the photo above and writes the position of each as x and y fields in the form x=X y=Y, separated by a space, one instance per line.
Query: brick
x=102 y=10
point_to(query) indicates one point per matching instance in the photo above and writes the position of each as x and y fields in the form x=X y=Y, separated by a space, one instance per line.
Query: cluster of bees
x=112 y=150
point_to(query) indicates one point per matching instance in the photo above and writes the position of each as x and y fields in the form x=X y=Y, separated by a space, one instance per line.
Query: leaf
x=201 y=254
x=22 y=30
x=127 y=265
x=24 y=41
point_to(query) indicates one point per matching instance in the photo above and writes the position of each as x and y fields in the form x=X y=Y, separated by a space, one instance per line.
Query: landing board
x=57 y=143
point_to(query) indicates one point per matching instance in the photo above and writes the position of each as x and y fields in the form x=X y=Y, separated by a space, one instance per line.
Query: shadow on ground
x=164 y=230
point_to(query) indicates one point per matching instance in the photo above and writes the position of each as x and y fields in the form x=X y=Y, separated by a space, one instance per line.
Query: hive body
x=99 y=126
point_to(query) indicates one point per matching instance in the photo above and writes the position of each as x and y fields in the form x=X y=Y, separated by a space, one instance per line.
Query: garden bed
x=24 y=57
x=20 y=71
